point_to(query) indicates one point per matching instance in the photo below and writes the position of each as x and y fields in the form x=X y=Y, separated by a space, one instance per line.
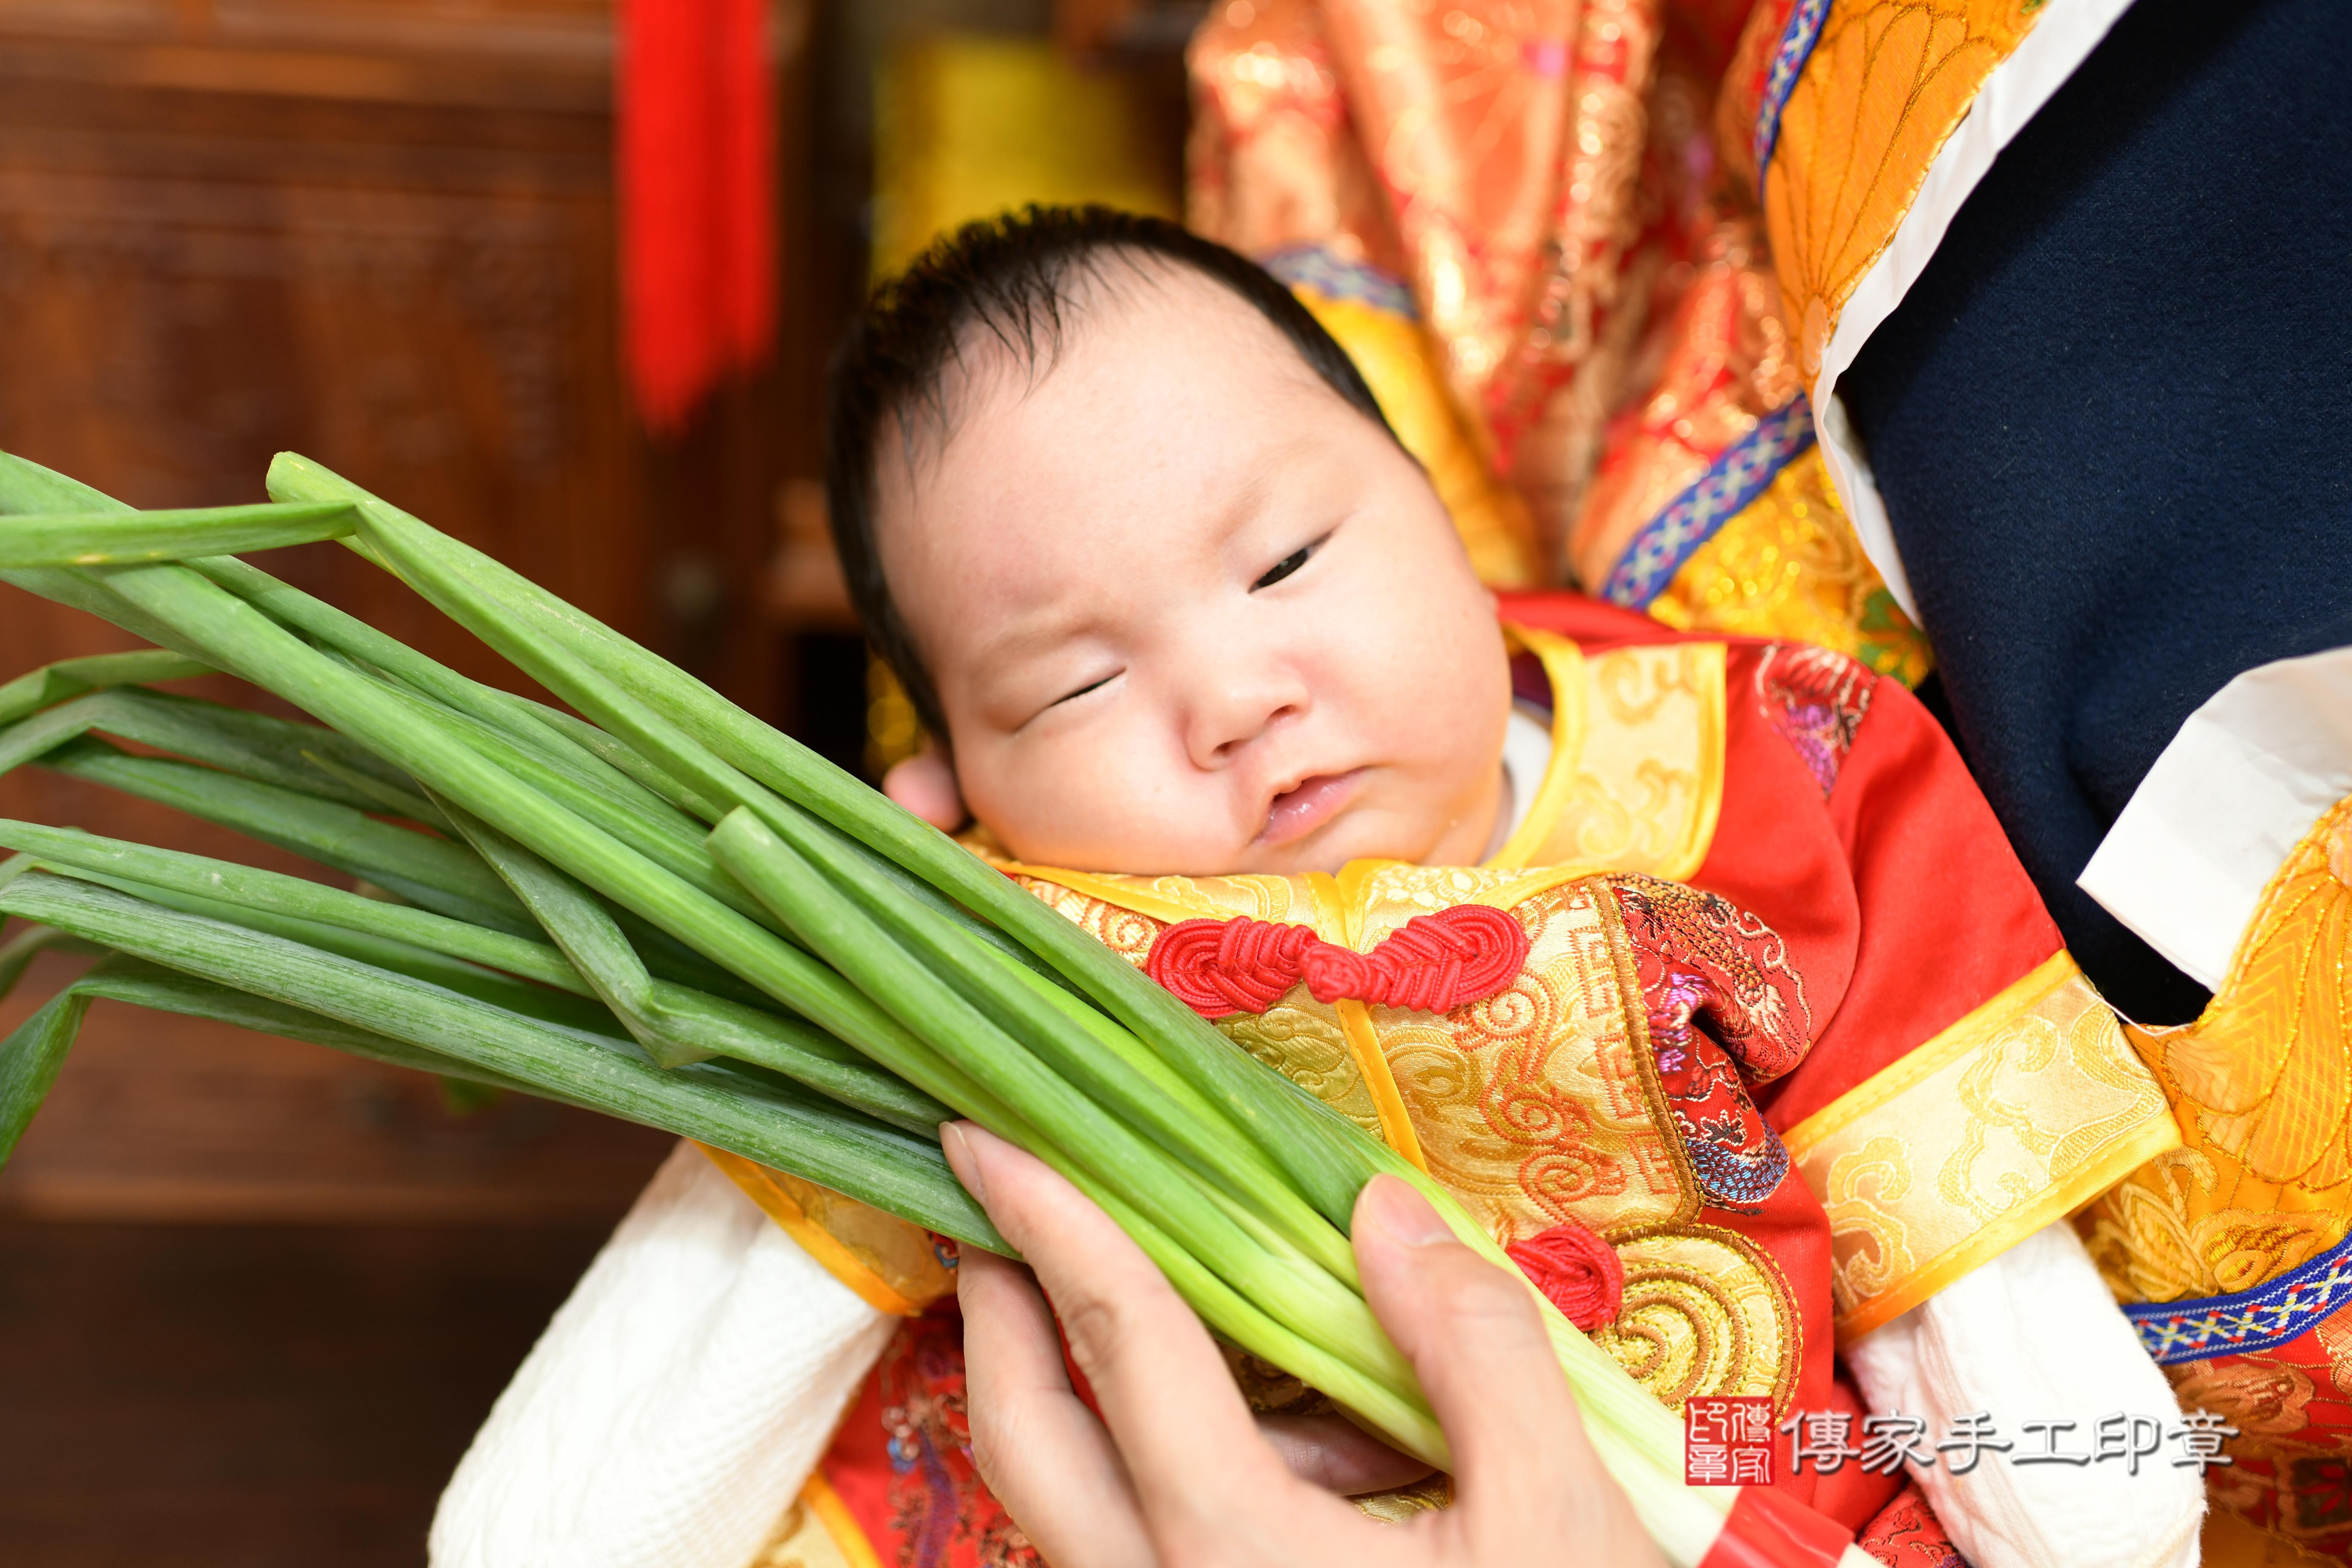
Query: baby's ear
x=925 y=784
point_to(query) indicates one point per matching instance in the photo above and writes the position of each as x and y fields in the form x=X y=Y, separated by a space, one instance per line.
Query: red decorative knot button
x=1577 y=1271
x=1431 y=964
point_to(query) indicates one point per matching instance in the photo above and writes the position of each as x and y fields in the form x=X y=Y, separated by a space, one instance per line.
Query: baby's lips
x=1307 y=807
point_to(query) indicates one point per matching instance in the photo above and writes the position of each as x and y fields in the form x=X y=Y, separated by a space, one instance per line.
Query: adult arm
x=677 y=1401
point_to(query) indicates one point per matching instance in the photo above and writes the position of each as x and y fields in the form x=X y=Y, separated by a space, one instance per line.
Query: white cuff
x=2187 y=860
x=676 y=1404
x=2033 y=1335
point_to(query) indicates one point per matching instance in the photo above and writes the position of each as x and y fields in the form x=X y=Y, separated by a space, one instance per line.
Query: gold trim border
x=1364 y=1045
x=1986 y=1027
x=826 y=1507
x=1563 y=666
x=1715 y=739
x=1924 y=1061
x=1568 y=669
x=816 y=1240
x=2046 y=1208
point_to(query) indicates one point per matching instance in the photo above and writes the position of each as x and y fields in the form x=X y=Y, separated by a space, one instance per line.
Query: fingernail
x=1391 y=1204
x=963 y=1160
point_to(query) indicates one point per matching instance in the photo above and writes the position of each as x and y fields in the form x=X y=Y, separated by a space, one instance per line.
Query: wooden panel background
x=380 y=233
x=256 y=1296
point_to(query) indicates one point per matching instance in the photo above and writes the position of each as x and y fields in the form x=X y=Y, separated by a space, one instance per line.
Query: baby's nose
x=1230 y=715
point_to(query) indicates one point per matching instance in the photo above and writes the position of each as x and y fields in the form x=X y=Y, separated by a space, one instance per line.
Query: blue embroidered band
x=2254 y=1319
x=1336 y=278
x=1691 y=519
x=1797 y=40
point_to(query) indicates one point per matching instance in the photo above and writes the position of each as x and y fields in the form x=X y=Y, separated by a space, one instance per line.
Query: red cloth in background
x=696 y=169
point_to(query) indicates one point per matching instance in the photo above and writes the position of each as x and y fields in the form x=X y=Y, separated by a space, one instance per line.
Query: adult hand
x=1176 y=1474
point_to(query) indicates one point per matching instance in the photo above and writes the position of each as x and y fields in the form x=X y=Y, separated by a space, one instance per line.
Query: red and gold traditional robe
x=1897 y=1073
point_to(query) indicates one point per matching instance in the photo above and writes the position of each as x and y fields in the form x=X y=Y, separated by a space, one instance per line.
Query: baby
x=1240 y=635
x=1195 y=639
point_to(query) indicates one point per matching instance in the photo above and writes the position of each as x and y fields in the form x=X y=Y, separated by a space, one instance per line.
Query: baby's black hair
x=1011 y=278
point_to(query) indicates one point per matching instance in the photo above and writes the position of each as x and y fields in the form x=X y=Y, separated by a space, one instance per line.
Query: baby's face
x=1187 y=611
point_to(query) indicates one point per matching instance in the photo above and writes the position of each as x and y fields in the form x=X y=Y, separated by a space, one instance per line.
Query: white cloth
x=2187 y=860
x=2033 y=1335
x=1527 y=757
x=677 y=1403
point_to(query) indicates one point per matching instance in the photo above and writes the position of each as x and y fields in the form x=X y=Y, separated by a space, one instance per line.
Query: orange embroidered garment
x=1779 y=1042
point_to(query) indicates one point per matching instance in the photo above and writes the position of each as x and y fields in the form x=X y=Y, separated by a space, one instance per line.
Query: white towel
x=677 y=1403
x=2035 y=1335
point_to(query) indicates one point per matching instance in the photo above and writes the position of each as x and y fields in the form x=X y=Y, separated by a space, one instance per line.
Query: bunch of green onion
x=657 y=907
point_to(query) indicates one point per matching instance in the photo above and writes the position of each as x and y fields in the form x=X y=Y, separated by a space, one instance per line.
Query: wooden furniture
x=381 y=233
x=283 y=1396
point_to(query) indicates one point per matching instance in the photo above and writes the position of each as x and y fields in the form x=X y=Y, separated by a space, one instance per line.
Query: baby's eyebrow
x=1029 y=633
x=1250 y=497
x=1040 y=629
x=1257 y=485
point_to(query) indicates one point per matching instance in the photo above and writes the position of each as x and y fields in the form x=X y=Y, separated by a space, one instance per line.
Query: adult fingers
x=1478 y=1347
x=1333 y=1453
x=1186 y=1437
x=1039 y=1448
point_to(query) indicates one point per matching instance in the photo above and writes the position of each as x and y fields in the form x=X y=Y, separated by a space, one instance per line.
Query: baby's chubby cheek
x=1103 y=807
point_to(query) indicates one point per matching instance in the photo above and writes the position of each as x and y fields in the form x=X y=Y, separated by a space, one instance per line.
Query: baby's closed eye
x=1287 y=564
x=1081 y=691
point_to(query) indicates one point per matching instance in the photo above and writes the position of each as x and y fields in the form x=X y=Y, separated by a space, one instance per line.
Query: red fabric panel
x=1766 y=1530
x=1947 y=916
x=1585 y=620
x=1850 y=1494
x=1903 y=909
x=1902 y=904
x=696 y=175
x=857 y=1464
x=1907 y=1534
x=1794 y=1232
x=902 y=1459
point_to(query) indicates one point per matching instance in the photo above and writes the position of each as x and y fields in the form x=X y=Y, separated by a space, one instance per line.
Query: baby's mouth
x=1307 y=806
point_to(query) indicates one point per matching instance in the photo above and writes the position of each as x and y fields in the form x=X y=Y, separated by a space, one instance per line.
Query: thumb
x=1472 y=1335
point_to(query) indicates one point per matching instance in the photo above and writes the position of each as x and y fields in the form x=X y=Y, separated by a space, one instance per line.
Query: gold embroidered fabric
x=2010 y=1119
x=1786 y=565
x=888 y=1262
x=1723 y=363
x=1398 y=365
x=1887 y=83
x=1537 y=1106
x=1488 y=154
x=1636 y=775
x=1705 y=1311
x=2263 y=1089
x=1399 y=1504
x=819 y=1531
x=1567 y=190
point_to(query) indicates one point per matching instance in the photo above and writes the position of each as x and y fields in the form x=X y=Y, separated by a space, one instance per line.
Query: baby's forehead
x=1124 y=308
x=1124 y=328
